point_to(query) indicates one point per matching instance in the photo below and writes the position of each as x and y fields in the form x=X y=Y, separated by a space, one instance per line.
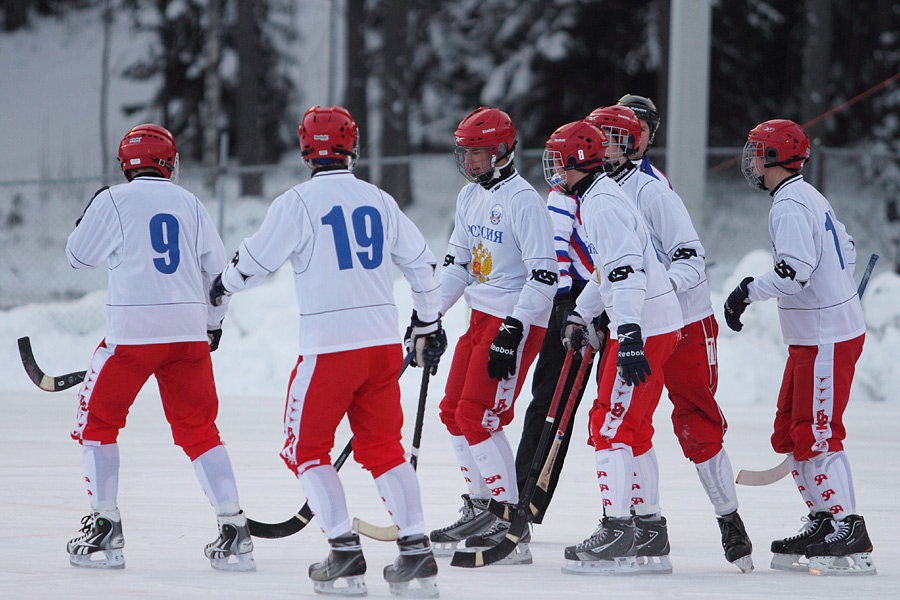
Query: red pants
x=184 y=374
x=361 y=384
x=474 y=404
x=814 y=393
x=691 y=377
x=623 y=414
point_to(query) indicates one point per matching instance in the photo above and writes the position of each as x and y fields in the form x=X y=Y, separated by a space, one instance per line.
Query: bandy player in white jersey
x=650 y=120
x=343 y=237
x=631 y=285
x=823 y=326
x=692 y=372
x=162 y=251
x=501 y=257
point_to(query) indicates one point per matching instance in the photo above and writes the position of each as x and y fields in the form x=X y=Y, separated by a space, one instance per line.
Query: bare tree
x=247 y=38
x=395 y=80
x=357 y=75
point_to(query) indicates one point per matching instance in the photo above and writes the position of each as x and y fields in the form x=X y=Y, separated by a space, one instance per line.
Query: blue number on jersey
x=368 y=231
x=829 y=226
x=164 y=239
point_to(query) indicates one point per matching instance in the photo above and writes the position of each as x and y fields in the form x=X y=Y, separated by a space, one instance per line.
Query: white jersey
x=501 y=252
x=645 y=166
x=343 y=237
x=813 y=274
x=630 y=281
x=162 y=251
x=675 y=239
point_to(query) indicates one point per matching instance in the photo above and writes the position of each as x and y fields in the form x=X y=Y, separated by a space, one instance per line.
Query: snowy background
x=48 y=128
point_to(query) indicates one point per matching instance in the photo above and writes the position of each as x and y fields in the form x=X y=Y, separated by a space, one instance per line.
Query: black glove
x=217 y=291
x=214 y=334
x=97 y=193
x=505 y=349
x=736 y=304
x=631 y=361
x=427 y=339
x=577 y=333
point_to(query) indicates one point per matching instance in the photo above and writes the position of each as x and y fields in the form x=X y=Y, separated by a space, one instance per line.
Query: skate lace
x=87 y=523
x=805 y=530
x=733 y=535
x=841 y=530
x=595 y=538
x=468 y=513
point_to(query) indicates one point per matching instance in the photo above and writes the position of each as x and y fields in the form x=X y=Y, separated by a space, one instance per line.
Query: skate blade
x=744 y=563
x=346 y=586
x=235 y=562
x=521 y=555
x=621 y=565
x=860 y=563
x=103 y=559
x=426 y=588
x=444 y=548
x=789 y=562
x=654 y=565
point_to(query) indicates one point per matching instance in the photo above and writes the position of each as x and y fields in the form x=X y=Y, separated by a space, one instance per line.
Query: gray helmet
x=645 y=111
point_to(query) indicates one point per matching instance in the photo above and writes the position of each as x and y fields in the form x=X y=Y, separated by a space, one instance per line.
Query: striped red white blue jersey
x=573 y=251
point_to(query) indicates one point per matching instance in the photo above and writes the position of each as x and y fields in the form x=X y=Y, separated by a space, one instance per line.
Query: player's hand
x=631 y=361
x=736 y=304
x=504 y=349
x=214 y=334
x=428 y=340
x=217 y=291
x=577 y=333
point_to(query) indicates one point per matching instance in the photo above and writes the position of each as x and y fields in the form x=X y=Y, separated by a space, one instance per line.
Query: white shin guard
x=834 y=484
x=216 y=477
x=399 y=489
x=717 y=478
x=469 y=468
x=615 y=475
x=645 y=489
x=101 y=474
x=497 y=466
x=325 y=494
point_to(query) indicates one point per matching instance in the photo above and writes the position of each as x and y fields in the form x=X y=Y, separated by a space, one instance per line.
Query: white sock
x=802 y=472
x=325 y=494
x=101 y=474
x=645 y=489
x=497 y=466
x=469 y=468
x=834 y=484
x=717 y=478
x=399 y=489
x=615 y=474
x=216 y=477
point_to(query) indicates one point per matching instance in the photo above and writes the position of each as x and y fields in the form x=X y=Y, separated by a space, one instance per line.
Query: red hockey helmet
x=775 y=143
x=148 y=145
x=621 y=126
x=483 y=138
x=328 y=135
x=579 y=146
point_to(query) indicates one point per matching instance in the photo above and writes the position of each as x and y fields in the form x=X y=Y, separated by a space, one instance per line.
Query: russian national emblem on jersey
x=481 y=263
x=496 y=214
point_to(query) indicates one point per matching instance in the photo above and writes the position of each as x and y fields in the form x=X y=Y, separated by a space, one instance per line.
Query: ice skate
x=475 y=519
x=845 y=551
x=342 y=573
x=101 y=541
x=233 y=549
x=789 y=554
x=494 y=535
x=736 y=542
x=609 y=551
x=415 y=564
x=651 y=543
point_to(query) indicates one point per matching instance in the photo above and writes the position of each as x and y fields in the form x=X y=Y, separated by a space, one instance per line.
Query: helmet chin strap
x=496 y=172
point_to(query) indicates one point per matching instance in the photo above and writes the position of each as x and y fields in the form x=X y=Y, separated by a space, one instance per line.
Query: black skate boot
x=789 y=554
x=610 y=550
x=416 y=562
x=736 y=542
x=845 y=551
x=345 y=565
x=651 y=543
x=493 y=536
x=101 y=541
x=475 y=519
x=233 y=549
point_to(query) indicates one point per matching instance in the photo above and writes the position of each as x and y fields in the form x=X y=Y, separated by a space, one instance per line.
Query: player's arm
x=455 y=271
x=417 y=263
x=533 y=232
x=672 y=223
x=795 y=255
x=624 y=263
x=98 y=234
x=562 y=210
x=213 y=259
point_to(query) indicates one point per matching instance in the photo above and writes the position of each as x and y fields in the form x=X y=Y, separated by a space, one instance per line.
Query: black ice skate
x=845 y=551
x=475 y=519
x=415 y=563
x=494 y=535
x=342 y=573
x=233 y=549
x=609 y=551
x=736 y=542
x=789 y=554
x=101 y=542
x=651 y=543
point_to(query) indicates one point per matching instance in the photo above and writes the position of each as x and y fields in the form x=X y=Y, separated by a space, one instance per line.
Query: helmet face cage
x=483 y=138
x=645 y=111
x=555 y=171
x=149 y=146
x=753 y=164
x=621 y=143
x=328 y=135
